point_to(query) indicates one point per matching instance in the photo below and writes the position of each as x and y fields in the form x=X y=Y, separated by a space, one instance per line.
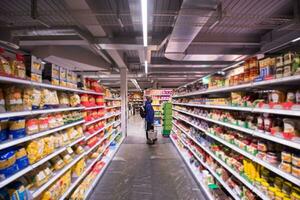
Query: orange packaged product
x=43 y=123
x=91 y=142
x=84 y=98
x=246 y=72
x=254 y=69
x=32 y=126
x=92 y=100
x=100 y=100
x=91 y=129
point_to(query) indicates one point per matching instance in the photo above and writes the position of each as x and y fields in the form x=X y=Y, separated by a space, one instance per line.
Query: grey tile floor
x=143 y=172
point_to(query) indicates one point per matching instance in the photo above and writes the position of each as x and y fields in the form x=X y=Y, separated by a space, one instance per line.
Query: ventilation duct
x=191 y=18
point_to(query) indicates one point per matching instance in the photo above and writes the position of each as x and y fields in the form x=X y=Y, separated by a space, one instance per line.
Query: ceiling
x=188 y=39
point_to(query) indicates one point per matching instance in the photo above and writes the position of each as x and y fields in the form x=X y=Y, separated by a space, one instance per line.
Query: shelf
x=107 y=161
x=233 y=172
x=279 y=81
x=112 y=99
x=102 y=118
x=8 y=143
x=38 y=163
x=117 y=114
x=4 y=79
x=94 y=121
x=93 y=107
x=117 y=123
x=37 y=112
x=196 y=174
x=271 y=167
x=219 y=179
x=85 y=172
x=111 y=107
x=88 y=136
x=56 y=176
x=98 y=143
x=246 y=109
x=294 y=144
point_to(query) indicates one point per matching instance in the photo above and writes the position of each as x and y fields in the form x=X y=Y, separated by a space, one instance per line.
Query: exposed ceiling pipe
x=185 y=29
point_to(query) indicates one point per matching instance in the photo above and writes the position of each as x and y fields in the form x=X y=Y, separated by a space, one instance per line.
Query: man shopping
x=149 y=118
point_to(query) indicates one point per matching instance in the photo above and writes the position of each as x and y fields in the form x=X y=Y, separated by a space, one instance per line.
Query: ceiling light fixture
x=144 y=20
x=135 y=83
x=146 y=67
x=296 y=39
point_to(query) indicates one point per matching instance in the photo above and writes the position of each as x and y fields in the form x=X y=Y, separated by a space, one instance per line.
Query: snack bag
x=13 y=99
x=35 y=150
x=36 y=99
x=2 y=101
x=5 y=68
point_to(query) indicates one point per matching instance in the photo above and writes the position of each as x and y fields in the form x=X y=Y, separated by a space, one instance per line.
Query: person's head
x=149 y=98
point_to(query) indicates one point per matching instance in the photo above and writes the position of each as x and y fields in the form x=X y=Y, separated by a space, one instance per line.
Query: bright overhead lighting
x=144 y=20
x=135 y=83
x=146 y=67
x=296 y=39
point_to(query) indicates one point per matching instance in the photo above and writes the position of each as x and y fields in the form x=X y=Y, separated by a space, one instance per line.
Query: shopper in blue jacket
x=149 y=115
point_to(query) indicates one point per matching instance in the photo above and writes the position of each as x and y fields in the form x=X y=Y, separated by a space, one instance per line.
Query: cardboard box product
x=69 y=76
x=62 y=74
x=74 y=78
x=34 y=68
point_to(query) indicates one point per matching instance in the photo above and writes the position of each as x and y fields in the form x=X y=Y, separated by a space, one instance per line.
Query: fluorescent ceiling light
x=296 y=39
x=146 y=67
x=135 y=83
x=145 y=22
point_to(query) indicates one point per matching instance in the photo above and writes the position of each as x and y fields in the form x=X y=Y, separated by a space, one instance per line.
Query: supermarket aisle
x=142 y=172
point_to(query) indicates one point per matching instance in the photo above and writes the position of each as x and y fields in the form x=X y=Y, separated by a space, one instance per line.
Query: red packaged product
x=84 y=98
x=91 y=142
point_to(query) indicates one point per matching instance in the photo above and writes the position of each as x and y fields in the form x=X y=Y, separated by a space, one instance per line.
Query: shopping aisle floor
x=143 y=172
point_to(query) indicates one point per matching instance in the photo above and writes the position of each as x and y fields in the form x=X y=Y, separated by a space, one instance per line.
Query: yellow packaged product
x=58 y=140
x=67 y=158
x=70 y=152
x=5 y=67
x=65 y=137
x=27 y=99
x=79 y=150
x=49 y=98
x=74 y=100
x=35 y=150
x=71 y=133
x=52 y=193
x=78 y=168
x=57 y=163
x=64 y=99
x=36 y=99
x=94 y=155
x=18 y=67
x=49 y=145
x=47 y=170
x=13 y=99
x=65 y=181
x=79 y=130
x=37 y=177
